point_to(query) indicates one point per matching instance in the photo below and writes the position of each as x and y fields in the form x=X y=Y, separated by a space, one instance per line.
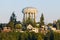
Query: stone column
x=29 y=15
x=26 y=15
x=34 y=17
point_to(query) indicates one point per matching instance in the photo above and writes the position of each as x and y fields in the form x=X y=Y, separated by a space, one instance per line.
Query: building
x=29 y=12
x=30 y=28
x=6 y=29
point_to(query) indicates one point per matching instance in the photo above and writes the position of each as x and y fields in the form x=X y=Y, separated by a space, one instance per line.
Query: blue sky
x=50 y=9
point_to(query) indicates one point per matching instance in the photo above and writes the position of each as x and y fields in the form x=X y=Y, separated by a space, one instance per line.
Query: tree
x=42 y=20
x=51 y=36
x=55 y=24
x=12 y=21
x=39 y=37
x=13 y=17
x=58 y=24
x=50 y=24
x=29 y=21
x=18 y=26
x=11 y=24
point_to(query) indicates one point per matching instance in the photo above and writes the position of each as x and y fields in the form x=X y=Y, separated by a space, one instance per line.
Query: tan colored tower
x=29 y=12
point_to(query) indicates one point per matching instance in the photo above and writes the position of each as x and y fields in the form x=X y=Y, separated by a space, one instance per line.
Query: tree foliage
x=50 y=24
x=58 y=24
x=12 y=21
x=42 y=20
x=20 y=36
x=10 y=24
x=18 y=26
x=30 y=21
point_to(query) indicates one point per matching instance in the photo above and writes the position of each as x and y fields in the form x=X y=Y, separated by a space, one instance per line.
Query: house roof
x=29 y=26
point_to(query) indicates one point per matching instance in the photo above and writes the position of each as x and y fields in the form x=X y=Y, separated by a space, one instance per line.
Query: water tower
x=29 y=12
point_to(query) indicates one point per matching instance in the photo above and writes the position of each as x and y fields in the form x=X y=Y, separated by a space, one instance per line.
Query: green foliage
x=56 y=36
x=29 y=36
x=39 y=38
x=9 y=36
x=42 y=20
x=10 y=24
x=12 y=21
x=18 y=26
x=58 y=24
x=20 y=36
x=30 y=21
x=50 y=24
x=52 y=36
x=13 y=17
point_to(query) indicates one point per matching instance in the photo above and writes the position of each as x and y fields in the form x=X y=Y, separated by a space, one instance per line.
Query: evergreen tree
x=42 y=20
x=13 y=17
x=12 y=21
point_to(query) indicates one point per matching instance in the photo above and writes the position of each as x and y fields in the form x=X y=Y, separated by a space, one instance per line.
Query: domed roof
x=29 y=10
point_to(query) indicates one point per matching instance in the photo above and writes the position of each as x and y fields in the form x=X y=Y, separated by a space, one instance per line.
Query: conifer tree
x=42 y=20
